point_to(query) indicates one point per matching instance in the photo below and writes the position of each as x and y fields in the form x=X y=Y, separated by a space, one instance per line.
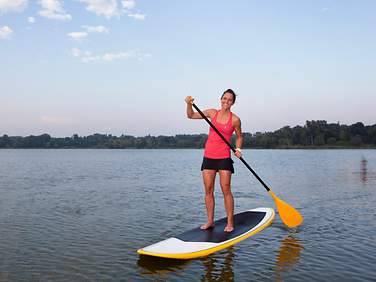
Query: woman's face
x=227 y=101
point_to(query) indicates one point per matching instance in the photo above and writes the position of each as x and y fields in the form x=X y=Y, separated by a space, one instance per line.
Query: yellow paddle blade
x=290 y=216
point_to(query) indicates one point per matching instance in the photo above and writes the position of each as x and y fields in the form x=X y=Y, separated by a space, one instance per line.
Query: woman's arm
x=195 y=115
x=239 y=137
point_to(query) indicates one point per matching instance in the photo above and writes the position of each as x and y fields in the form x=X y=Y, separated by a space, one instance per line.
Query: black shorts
x=218 y=164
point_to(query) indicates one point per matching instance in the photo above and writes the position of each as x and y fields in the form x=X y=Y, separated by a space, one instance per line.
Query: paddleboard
x=197 y=243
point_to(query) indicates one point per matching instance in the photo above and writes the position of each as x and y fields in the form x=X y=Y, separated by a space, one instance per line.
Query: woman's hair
x=232 y=93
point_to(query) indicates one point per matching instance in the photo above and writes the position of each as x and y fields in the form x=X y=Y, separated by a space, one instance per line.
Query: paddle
x=289 y=215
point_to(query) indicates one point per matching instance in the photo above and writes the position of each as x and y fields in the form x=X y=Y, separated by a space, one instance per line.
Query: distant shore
x=313 y=135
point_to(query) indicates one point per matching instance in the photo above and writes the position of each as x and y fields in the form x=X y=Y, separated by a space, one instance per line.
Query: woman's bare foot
x=207 y=226
x=229 y=228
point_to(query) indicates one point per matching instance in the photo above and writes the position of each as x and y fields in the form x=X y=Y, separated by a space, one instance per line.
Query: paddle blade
x=290 y=216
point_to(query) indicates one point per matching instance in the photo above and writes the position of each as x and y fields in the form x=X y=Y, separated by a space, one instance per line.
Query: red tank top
x=215 y=147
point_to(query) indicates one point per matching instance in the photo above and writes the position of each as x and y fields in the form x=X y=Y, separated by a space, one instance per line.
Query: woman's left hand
x=238 y=153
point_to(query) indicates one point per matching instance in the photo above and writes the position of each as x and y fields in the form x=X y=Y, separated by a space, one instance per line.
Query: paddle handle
x=231 y=147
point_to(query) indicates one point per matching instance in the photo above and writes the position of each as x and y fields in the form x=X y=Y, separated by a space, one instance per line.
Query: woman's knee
x=226 y=189
x=209 y=190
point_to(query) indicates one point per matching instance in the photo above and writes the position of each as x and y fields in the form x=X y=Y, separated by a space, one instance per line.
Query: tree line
x=314 y=134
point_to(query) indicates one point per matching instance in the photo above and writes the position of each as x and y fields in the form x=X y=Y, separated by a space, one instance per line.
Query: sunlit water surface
x=80 y=215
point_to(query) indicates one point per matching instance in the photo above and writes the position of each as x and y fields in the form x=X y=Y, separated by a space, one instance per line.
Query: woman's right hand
x=189 y=99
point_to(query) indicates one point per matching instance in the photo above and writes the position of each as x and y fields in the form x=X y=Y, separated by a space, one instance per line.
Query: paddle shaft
x=231 y=147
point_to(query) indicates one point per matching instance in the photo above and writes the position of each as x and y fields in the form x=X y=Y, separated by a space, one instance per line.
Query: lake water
x=80 y=215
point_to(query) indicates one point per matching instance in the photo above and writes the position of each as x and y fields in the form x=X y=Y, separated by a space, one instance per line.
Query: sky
x=125 y=66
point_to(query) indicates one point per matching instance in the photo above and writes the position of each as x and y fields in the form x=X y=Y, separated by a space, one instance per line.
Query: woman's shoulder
x=211 y=112
x=235 y=117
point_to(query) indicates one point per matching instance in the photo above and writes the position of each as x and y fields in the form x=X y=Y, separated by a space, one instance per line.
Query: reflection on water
x=288 y=256
x=218 y=269
x=363 y=169
x=155 y=265
x=364 y=172
x=3 y=276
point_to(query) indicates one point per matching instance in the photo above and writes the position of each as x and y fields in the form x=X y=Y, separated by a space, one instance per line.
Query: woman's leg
x=225 y=180
x=208 y=176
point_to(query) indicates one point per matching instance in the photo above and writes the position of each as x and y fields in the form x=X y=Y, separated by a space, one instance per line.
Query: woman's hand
x=189 y=100
x=238 y=153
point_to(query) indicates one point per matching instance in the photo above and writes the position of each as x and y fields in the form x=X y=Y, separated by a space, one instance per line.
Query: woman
x=217 y=155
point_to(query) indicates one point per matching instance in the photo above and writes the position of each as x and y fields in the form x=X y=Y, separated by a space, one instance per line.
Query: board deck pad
x=196 y=242
x=242 y=221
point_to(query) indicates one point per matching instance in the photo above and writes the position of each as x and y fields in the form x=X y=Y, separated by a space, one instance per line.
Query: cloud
x=324 y=10
x=88 y=57
x=31 y=19
x=5 y=32
x=12 y=5
x=137 y=16
x=110 y=8
x=55 y=120
x=128 y=4
x=107 y=8
x=96 y=29
x=78 y=35
x=53 y=9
